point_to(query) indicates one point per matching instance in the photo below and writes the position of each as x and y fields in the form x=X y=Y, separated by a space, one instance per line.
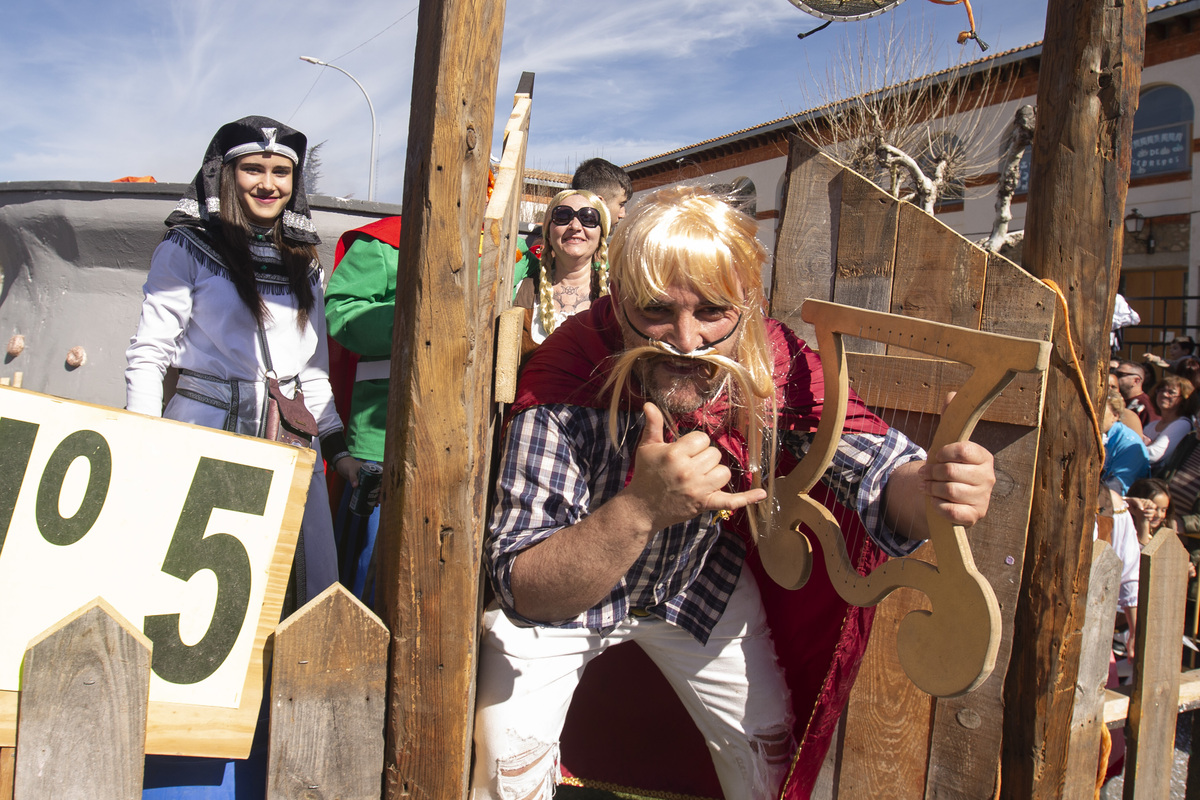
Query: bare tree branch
x=891 y=91
x=1020 y=134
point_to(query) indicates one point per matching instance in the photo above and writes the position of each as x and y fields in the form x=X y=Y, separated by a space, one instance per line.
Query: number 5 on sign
x=187 y=531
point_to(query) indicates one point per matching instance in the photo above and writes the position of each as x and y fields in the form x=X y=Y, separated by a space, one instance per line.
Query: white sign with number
x=188 y=532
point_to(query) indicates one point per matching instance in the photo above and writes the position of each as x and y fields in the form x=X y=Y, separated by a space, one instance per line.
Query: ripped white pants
x=732 y=688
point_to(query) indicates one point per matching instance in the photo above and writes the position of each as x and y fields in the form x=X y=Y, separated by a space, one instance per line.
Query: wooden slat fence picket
x=328 y=698
x=85 y=691
x=1154 y=705
x=1088 y=720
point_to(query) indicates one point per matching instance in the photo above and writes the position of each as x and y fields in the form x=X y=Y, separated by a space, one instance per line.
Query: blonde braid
x=546 y=291
x=602 y=271
x=601 y=261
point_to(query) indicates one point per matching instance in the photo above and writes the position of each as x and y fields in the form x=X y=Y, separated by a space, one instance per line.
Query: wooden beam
x=1116 y=701
x=1087 y=92
x=437 y=455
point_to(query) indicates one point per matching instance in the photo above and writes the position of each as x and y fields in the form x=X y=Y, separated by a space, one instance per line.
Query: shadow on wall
x=73 y=258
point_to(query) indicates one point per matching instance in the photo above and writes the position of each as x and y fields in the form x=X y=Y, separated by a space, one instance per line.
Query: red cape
x=818 y=637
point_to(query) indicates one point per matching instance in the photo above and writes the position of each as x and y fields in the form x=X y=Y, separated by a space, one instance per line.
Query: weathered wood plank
x=965 y=743
x=939 y=274
x=806 y=242
x=919 y=386
x=501 y=216
x=887 y=717
x=1150 y=744
x=1015 y=303
x=328 y=693
x=85 y=688
x=866 y=249
x=1089 y=79
x=437 y=457
x=500 y=221
x=1083 y=752
x=8 y=763
x=1116 y=701
x=508 y=354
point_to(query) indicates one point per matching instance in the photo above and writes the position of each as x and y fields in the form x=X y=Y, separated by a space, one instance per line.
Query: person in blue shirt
x=1125 y=456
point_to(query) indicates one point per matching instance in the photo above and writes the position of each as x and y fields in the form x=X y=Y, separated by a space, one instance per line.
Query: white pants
x=732 y=688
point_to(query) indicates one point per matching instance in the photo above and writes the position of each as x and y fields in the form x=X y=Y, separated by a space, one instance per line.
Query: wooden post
x=436 y=462
x=84 y=695
x=1087 y=92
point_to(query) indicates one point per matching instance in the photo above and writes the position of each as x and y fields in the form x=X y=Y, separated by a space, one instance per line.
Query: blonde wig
x=546 y=263
x=686 y=235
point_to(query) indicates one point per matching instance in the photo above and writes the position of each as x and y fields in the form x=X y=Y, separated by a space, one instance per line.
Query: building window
x=1162 y=135
x=1162 y=132
x=742 y=195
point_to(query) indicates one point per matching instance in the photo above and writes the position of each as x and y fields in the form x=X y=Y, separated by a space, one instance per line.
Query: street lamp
x=1141 y=229
x=320 y=63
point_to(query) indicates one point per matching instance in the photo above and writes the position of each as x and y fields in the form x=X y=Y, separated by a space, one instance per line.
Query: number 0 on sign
x=188 y=532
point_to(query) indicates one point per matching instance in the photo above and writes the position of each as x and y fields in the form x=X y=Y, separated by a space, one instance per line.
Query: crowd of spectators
x=1152 y=462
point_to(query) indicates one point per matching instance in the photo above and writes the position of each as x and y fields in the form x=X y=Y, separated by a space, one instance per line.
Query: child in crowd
x=1149 y=502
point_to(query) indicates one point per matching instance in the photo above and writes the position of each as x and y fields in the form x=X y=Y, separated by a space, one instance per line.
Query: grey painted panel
x=73 y=258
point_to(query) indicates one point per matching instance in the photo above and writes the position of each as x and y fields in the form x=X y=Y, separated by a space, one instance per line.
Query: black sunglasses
x=588 y=217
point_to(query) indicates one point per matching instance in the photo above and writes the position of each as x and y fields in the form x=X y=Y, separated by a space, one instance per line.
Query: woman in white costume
x=234 y=286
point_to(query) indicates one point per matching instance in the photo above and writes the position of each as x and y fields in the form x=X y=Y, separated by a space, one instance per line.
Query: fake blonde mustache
x=745 y=391
x=754 y=409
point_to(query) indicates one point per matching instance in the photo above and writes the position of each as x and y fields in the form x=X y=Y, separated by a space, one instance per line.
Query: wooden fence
x=81 y=727
x=841 y=238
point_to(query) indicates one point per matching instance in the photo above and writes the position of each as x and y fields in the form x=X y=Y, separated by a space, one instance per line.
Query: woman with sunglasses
x=573 y=268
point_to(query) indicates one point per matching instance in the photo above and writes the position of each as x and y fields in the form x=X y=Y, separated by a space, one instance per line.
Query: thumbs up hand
x=676 y=481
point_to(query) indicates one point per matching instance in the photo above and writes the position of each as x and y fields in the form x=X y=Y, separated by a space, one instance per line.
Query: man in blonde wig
x=644 y=441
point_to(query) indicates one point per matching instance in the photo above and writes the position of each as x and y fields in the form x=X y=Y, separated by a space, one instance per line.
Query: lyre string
x=907 y=429
x=866 y=392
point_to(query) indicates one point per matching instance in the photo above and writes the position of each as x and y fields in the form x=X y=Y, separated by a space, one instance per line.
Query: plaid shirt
x=559 y=463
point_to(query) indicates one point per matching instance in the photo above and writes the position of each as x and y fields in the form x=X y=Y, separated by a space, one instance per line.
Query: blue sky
x=97 y=91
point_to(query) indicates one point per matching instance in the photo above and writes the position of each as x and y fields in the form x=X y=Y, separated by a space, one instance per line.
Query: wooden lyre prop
x=951 y=649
